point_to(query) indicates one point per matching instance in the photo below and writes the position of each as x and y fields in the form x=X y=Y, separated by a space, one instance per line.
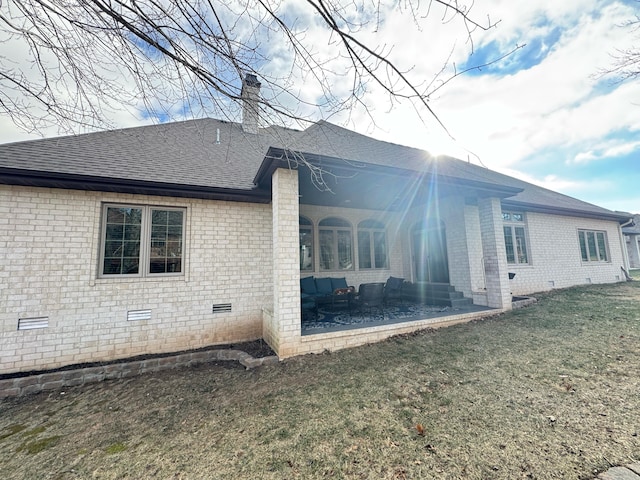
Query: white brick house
x=183 y=235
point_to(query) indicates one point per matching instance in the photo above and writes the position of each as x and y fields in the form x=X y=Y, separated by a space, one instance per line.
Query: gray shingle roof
x=186 y=153
x=175 y=153
x=325 y=138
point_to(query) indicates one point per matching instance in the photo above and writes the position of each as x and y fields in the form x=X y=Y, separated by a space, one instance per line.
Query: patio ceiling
x=335 y=182
x=365 y=189
x=371 y=187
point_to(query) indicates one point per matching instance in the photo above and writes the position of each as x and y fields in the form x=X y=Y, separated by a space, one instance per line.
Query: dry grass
x=550 y=391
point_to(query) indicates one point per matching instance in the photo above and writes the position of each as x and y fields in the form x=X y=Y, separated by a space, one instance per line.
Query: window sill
x=132 y=278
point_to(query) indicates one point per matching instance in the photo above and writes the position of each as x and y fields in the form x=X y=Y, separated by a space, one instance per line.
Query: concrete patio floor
x=343 y=320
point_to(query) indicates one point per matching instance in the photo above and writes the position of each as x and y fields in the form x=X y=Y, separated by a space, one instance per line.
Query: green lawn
x=549 y=391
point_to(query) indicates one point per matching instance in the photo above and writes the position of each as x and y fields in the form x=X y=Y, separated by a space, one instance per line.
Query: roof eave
x=281 y=158
x=275 y=158
x=10 y=176
x=531 y=207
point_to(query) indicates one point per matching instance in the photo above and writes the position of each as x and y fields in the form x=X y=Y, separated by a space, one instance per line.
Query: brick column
x=494 y=253
x=285 y=325
x=457 y=244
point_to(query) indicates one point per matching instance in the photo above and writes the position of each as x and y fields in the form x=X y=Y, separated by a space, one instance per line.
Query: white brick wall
x=554 y=254
x=50 y=242
x=50 y=249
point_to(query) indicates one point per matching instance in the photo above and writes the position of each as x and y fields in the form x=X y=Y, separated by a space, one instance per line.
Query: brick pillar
x=453 y=209
x=285 y=325
x=494 y=253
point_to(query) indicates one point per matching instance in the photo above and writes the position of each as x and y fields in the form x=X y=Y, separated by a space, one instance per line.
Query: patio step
x=452 y=302
x=438 y=294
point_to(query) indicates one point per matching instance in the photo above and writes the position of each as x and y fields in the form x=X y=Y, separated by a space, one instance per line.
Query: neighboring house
x=182 y=235
x=632 y=237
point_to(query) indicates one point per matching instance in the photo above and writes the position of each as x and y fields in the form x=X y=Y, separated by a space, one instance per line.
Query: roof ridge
x=322 y=123
x=117 y=130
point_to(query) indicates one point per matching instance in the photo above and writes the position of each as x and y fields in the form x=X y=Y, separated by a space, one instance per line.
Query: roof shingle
x=187 y=153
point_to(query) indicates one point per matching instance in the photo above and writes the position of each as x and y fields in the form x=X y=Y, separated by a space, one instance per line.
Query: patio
x=331 y=320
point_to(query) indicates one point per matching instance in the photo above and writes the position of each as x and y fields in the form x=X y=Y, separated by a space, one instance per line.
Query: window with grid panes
x=515 y=237
x=372 y=245
x=142 y=240
x=336 y=244
x=593 y=246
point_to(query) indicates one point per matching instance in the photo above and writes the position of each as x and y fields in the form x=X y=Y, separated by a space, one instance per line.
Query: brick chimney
x=250 y=103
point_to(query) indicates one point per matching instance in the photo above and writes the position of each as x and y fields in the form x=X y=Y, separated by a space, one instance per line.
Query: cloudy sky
x=542 y=114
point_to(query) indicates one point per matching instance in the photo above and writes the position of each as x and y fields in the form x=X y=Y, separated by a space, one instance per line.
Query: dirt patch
x=257 y=348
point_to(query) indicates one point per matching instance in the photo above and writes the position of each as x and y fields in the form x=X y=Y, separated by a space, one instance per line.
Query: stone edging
x=16 y=387
x=525 y=302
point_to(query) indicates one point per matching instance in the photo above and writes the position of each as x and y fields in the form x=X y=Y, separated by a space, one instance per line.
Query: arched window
x=336 y=245
x=372 y=245
x=306 y=244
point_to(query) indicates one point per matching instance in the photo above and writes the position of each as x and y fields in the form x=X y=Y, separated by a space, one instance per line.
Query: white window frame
x=371 y=232
x=513 y=221
x=583 y=233
x=144 y=258
x=335 y=230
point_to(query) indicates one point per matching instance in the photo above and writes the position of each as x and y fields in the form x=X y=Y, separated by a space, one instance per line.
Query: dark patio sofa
x=325 y=291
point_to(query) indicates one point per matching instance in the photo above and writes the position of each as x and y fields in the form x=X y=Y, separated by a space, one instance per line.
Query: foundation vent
x=137 y=315
x=33 y=323
x=221 y=307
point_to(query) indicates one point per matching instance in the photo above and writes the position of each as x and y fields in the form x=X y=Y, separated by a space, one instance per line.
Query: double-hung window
x=336 y=244
x=515 y=238
x=372 y=245
x=593 y=246
x=141 y=240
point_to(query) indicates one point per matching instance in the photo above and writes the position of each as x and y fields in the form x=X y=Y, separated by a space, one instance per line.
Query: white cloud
x=622 y=149
x=557 y=183
x=606 y=150
x=555 y=103
x=584 y=157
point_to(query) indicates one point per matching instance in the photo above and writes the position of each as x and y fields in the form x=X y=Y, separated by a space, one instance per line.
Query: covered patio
x=366 y=222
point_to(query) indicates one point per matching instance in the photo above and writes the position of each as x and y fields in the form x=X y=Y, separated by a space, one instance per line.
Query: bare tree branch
x=625 y=61
x=172 y=59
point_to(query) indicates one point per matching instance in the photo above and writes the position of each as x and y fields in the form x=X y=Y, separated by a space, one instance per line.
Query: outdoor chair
x=370 y=296
x=393 y=290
